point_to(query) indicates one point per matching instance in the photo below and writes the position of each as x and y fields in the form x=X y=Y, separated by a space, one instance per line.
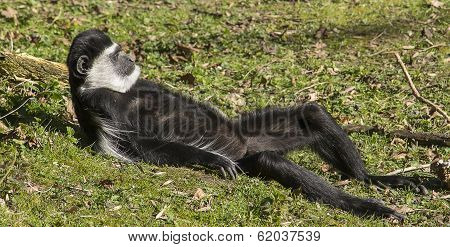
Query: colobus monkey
x=138 y=120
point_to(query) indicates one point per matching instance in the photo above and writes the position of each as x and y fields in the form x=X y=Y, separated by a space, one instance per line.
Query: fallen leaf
x=199 y=194
x=441 y=169
x=63 y=40
x=3 y=128
x=321 y=33
x=331 y=71
x=404 y=209
x=161 y=213
x=106 y=183
x=399 y=156
x=72 y=209
x=436 y=3
x=70 y=111
x=349 y=90
x=319 y=45
x=187 y=48
x=10 y=13
x=159 y=173
x=176 y=58
x=427 y=32
x=20 y=133
x=408 y=47
x=396 y=141
x=203 y=209
x=115 y=208
x=31 y=188
x=236 y=99
x=321 y=68
x=319 y=50
x=325 y=167
x=167 y=182
x=432 y=154
x=180 y=193
x=409 y=103
x=342 y=183
x=189 y=78
x=313 y=96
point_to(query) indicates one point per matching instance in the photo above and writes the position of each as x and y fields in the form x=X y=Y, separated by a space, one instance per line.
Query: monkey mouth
x=136 y=73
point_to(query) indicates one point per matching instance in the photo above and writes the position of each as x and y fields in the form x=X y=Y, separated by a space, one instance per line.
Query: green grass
x=251 y=54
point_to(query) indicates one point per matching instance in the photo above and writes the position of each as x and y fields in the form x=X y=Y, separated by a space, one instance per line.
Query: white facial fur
x=103 y=75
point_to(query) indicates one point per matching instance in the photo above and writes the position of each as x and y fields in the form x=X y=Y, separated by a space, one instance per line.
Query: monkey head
x=95 y=61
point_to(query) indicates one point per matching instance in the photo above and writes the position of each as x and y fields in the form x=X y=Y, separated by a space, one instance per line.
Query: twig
x=22 y=80
x=17 y=108
x=258 y=68
x=309 y=87
x=88 y=192
x=379 y=35
x=421 y=137
x=378 y=52
x=11 y=43
x=433 y=46
x=57 y=17
x=408 y=169
x=429 y=42
x=416 y=92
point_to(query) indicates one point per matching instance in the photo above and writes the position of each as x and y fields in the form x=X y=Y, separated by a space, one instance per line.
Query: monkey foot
x=397 y=182
x=368 y=207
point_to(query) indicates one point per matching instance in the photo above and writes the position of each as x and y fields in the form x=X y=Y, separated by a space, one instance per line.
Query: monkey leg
x=310 y=125
x=271 y=165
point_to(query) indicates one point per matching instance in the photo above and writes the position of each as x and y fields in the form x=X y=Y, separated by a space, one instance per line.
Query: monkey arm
x=177 y=154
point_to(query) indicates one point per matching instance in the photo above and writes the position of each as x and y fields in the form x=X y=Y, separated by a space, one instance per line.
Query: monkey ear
x=83 y=64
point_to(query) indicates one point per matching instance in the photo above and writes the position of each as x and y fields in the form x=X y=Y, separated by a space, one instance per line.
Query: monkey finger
x=410 y=184
x=230 y=171
x=398 y=216
x=240 y=169
x=423 y=190
x=222 y=172
x=381 y=185
x=235 y=171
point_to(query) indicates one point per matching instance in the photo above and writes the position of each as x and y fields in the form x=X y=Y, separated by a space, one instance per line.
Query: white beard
x=103 y=74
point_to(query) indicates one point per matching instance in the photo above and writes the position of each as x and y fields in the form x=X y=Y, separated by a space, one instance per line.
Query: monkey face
x=95 y=61
x=123 y=63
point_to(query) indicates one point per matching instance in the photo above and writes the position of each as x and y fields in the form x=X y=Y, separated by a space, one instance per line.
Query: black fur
x=150 y=123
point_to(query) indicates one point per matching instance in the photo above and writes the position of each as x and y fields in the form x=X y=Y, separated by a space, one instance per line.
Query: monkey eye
x=82 y=65
x=115 y=55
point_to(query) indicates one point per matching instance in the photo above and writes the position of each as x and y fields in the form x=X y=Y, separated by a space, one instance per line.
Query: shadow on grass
x=48 y=121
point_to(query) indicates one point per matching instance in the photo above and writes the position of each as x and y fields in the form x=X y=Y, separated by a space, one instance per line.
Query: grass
x=250 y=54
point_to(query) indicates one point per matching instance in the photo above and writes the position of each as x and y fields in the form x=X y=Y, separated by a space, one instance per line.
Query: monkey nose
x=132 y=57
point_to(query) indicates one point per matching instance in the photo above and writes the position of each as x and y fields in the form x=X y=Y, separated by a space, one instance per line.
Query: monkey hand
x=225 y=166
